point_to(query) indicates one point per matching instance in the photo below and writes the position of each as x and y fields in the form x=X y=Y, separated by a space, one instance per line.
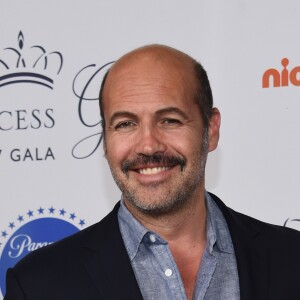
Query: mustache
x=142 y=160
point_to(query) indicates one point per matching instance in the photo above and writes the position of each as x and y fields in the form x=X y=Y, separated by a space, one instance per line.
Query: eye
x=171 y=122
x=124 y=125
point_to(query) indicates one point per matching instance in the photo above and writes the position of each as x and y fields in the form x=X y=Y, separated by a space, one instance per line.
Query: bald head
x=158 y=61
x=154 y=54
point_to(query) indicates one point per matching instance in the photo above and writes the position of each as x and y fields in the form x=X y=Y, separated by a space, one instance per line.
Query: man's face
x=155 y=141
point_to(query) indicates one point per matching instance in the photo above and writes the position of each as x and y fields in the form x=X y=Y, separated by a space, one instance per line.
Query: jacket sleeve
x=13 y=288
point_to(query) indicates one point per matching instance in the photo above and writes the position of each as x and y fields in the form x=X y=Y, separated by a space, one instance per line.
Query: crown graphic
x=29 y=65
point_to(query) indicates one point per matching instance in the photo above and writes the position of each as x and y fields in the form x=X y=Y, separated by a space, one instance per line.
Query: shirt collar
x=131 y=229
x=217 y=232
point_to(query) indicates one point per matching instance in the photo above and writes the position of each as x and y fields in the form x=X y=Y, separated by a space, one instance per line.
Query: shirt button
x=152 y=238
x=168 y=272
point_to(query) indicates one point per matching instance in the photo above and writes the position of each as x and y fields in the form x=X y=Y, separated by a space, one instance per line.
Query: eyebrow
x=172 y=110
x=163 y=111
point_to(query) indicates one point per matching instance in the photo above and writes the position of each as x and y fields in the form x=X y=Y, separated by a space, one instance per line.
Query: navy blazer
x=93 y=264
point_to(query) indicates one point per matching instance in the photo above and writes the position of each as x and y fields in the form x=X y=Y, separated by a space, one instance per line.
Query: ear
x=214 y=129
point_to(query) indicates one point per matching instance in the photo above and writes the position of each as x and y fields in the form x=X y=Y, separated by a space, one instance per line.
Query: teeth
x=148 y=171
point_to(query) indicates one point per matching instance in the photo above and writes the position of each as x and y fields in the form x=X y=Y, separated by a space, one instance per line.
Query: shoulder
x=273 y=232
x=266 y=255
x=62 y=270
x=274 y=235
x=68 y=250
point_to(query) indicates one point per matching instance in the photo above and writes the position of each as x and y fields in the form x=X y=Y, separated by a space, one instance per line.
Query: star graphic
x=51 y=210
x=62 y=212
x=20 y=218
x=11 y=225
x=4 y=234
x=81 y=223
x=30 y=213
x=41 y=211
x=72 y=216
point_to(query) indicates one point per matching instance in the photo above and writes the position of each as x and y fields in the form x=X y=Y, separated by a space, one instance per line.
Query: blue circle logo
x=34 y=234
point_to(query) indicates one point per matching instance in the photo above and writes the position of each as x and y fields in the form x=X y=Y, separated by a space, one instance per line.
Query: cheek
x=186 y=143
x=117 y=149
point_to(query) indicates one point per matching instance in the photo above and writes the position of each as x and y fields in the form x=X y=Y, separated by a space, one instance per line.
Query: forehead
x=149 y=77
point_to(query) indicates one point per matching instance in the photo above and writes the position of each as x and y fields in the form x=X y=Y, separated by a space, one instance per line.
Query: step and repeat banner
x=54 y=179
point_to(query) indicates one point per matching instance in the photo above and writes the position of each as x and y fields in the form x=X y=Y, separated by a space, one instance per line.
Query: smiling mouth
x=150 y=171
x=152 y=164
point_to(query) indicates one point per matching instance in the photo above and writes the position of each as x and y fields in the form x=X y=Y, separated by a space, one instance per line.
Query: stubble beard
x=167 y=197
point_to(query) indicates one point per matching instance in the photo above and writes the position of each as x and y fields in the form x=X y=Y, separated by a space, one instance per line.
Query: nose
x=150 y=141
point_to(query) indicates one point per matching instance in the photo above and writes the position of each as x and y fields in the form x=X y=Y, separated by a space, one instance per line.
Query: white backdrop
x=255 y=168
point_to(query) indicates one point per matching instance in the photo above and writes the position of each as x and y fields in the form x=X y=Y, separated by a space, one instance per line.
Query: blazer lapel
x=107 y=262
x=251 y=253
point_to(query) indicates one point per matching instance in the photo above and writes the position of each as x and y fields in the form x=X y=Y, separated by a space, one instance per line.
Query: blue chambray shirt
x=155 y=268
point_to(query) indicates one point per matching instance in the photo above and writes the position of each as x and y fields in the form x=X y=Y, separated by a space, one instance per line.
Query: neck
x=188 y=224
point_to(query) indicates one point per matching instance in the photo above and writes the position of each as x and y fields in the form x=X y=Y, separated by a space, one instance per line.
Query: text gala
x=35 y=154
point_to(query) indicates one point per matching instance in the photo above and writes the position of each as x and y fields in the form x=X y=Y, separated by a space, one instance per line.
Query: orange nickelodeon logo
x=282 y=78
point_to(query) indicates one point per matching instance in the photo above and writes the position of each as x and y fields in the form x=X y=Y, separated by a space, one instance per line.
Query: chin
x=158 y=207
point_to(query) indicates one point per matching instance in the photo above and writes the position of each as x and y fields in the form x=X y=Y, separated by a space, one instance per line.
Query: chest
x=162 y=275
x=188 y=264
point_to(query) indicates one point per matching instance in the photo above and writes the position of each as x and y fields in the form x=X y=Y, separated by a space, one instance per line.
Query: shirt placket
x=205 y=274
x=167 y=268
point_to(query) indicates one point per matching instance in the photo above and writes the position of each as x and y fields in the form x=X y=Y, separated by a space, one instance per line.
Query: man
x=167 y=238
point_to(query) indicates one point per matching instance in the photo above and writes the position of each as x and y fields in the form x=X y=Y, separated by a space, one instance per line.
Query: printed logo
x=33 y=64
x=30 y=65
x=34 y=230
x=283 y=77
x=86 y=87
